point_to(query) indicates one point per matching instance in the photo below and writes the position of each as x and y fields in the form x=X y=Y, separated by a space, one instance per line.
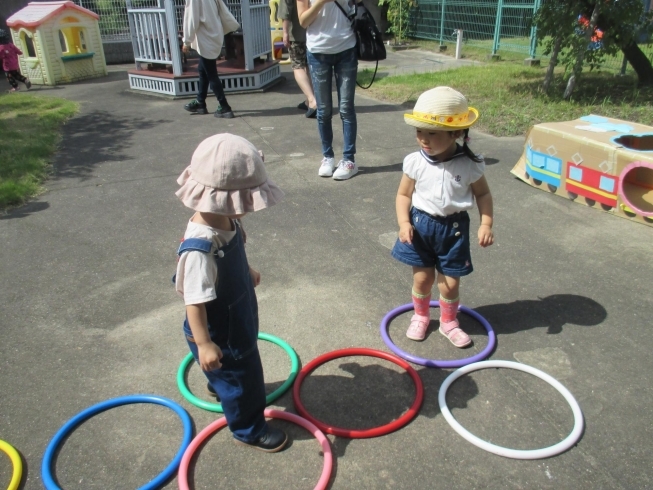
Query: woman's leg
x=345 y=70
x=299 y=67
x=211 y=70
x=203 y=84
x=321 y=70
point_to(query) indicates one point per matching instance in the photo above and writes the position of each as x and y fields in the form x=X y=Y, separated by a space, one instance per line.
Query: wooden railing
x=155 y=35
x=155 y=32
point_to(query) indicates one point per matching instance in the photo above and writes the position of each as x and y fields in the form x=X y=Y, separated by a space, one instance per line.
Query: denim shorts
x=438 y=241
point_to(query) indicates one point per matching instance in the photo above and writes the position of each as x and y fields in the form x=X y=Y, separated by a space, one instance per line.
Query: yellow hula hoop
x=17 y=463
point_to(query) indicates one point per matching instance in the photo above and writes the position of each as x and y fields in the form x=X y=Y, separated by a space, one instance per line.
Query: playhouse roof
x=36 y=13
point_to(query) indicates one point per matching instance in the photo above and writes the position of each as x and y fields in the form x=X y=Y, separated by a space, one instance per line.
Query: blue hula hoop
x=160 y=479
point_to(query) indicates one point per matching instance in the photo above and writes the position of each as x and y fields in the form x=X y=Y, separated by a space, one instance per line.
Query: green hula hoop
x=217 y=407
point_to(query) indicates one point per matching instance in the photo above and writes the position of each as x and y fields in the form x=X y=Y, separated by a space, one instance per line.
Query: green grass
x=509 y=98
x=29 y=134
x=516 y=50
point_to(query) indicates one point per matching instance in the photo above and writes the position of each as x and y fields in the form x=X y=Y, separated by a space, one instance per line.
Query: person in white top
x=440 y=183
x=204 y=30
x=331 y=46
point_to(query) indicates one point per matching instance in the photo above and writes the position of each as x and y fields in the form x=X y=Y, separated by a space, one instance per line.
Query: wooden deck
x=234 y=78
x=225 y=68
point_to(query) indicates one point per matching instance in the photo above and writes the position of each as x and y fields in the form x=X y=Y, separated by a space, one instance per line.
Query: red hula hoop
x=352 y=433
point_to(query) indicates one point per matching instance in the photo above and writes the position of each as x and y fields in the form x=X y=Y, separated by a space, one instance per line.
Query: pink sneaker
x=417 y=328
x=455 y=334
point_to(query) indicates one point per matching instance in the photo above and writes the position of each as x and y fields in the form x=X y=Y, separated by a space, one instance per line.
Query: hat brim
x=419 y=122
x=227 y=202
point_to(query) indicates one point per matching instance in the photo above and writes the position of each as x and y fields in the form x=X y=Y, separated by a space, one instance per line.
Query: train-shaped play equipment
x=601 y=162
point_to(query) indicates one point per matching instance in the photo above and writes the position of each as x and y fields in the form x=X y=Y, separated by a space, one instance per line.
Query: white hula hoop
x=562 y=446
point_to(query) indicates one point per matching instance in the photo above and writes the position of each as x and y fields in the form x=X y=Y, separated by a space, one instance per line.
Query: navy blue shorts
x=438 y=241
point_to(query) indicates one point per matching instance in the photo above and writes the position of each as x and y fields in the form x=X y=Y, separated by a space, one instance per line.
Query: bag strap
x=373 y=77
x=351 y=19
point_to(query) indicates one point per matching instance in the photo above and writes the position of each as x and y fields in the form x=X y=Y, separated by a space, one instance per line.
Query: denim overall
x=233 y=326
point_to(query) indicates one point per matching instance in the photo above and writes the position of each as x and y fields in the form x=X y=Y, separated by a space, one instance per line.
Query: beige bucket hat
x=227 y=176
x=442 y=108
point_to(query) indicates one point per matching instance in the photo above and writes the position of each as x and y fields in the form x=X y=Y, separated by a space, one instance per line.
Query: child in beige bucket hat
x=440 y=183
x=225 y=180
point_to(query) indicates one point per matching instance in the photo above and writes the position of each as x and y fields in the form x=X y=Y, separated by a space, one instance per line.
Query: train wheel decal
x=590 y=202
x=552 y=188
x=537 y=182
x=572 y=195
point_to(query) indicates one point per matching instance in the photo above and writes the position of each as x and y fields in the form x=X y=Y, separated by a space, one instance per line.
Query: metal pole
x=171 y=21
x=459 y=42
x=442 y=22
x=248 y=34
x=132 y=34
x=497 y=28
x=533 y=49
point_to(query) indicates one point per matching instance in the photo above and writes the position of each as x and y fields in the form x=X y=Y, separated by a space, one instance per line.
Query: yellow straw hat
x=442 y=108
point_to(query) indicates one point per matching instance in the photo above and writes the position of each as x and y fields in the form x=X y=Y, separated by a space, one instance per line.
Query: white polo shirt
x=443 y=188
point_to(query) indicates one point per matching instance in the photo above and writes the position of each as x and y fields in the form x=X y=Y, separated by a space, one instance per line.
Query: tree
x=590 y=28
x=622 y=22
x=555 y=23
x=568 y=40
x=398 y=15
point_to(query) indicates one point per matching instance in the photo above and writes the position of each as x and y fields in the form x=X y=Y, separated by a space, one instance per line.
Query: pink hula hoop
x=182 y=476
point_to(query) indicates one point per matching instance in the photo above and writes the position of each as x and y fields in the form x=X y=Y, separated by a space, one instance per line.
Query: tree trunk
x=578 y=67
x=552 y=64
x=640 y=63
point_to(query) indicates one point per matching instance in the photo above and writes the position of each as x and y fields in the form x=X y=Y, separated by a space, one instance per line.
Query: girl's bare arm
x=402 y=205
x=483 y=197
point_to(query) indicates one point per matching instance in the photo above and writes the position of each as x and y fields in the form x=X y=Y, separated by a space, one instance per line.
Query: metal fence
x=492 y=26
x=114 y=23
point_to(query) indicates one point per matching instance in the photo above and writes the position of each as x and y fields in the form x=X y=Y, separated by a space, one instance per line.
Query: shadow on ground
x=552 y=312
x=97 y=137
x=373 y=396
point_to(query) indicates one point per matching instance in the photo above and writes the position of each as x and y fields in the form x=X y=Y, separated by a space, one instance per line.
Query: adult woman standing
x=331 y=44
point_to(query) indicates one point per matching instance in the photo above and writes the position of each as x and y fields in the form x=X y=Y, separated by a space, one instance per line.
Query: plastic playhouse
x=60 y=42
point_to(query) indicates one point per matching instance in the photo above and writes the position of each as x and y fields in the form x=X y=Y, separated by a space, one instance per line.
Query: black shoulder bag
x=369 y=42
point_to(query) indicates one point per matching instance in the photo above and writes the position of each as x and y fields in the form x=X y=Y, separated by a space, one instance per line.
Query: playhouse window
x=73 y=40
x=62 y=41
x=28 y=44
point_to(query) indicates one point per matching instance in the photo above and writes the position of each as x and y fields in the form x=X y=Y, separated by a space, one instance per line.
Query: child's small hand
x=256 y=276
x=210 y=355
x=485 y=236
x=406 y=233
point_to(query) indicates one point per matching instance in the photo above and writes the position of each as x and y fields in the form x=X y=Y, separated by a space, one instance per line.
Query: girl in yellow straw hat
x=441 y=181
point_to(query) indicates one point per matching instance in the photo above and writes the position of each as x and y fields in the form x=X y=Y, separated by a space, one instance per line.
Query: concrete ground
x=89 y=313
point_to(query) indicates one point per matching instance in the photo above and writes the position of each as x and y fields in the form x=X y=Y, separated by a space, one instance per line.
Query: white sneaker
x=345 y=170
x=327 y=166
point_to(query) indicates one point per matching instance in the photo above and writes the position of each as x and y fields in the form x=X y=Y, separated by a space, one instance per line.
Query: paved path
x=88 y=312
